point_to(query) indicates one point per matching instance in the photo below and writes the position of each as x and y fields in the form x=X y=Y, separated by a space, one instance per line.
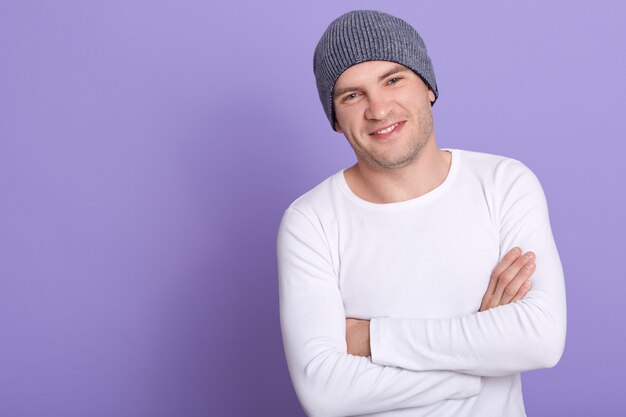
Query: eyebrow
x=397 y=68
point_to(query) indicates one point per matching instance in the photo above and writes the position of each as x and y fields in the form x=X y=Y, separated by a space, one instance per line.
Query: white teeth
x=389 y=129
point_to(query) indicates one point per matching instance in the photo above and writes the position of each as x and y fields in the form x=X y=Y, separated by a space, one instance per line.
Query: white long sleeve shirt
x=418 y=270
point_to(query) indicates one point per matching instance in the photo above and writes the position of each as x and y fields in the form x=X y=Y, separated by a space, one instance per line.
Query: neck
x=384 y=185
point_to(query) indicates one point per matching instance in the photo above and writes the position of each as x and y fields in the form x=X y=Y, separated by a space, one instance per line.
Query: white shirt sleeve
x=525 y=335
x=328 y=381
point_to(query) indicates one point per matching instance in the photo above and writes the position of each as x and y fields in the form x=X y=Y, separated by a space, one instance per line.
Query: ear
x=337 y=127
x=431 y=96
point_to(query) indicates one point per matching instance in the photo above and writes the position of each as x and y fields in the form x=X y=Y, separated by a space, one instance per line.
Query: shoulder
x=505 y=181
x=319 y=199
x=317 y=205
x=501 y=171
x=488 y=162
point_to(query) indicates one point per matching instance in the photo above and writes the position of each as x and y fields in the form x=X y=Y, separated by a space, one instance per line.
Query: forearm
x=327 y=380
x=331 y=382
x=338 y=384
x=528 y=334
x=501 y=341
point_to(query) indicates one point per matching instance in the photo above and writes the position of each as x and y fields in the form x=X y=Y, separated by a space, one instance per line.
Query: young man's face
x=384 y=110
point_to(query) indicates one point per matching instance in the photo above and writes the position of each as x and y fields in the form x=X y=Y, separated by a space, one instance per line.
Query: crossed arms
x=417 y=362
x=328 y=380
x=509 y=283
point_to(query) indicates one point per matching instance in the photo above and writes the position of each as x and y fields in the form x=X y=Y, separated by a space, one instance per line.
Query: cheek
x=347 y=118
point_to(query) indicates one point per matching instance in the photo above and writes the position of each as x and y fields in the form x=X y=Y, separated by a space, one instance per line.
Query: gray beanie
x=367 y=35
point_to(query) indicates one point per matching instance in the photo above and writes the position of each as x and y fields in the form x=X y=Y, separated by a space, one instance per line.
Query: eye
x=350 y=96
x=394 y=80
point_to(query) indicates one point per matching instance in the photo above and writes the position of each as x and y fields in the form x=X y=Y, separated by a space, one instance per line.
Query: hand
x=510 y=279
x=358 y=337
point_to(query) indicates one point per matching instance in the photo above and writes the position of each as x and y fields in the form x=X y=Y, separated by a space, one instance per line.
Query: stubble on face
x=409 y=152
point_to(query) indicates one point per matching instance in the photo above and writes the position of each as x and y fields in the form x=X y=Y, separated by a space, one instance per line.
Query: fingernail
x=530 y=256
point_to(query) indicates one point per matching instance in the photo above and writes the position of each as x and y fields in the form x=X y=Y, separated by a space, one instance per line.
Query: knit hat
x=367 y=35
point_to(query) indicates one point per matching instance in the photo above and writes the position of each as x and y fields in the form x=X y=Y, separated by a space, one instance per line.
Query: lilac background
x=149 y=149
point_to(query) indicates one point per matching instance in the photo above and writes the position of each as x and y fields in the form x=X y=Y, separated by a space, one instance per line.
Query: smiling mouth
x=387 y=131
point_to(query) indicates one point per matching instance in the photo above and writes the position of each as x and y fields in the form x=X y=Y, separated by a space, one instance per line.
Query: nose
x=378 y=106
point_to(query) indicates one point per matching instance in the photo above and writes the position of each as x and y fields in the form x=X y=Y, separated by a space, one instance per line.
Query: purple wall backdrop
x=149 y=149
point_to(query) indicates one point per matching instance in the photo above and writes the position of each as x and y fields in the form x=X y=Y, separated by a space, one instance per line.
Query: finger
x=522 y=291
x=507 y=276
x=501 y=281
x=522 y=276
x=506 y=262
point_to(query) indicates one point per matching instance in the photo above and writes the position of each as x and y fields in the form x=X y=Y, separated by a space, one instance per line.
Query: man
x=403 y=289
